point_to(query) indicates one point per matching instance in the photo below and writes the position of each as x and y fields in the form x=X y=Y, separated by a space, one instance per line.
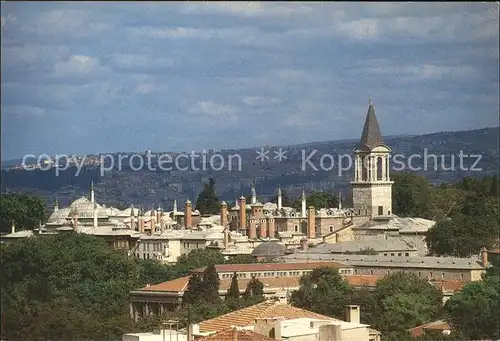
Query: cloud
x=241 y=74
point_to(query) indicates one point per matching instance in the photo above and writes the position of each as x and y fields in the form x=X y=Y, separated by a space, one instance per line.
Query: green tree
x=411 y=195
x=208 y=202
x=65 y=287
x=474 y=311
x=25 y=210
x=404 y=300
x=462 y=235
x=234 y=290
x=321 y=200
x=194 y=291
x=197 y=258
x=152 y=271
x=242 y=259
x=254 y=290
x=323 y=291
x=211 y=284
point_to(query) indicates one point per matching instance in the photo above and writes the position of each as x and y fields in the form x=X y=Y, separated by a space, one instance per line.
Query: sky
x=90 y=77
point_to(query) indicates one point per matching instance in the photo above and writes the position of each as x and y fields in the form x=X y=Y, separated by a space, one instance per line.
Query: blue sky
x=92 y=77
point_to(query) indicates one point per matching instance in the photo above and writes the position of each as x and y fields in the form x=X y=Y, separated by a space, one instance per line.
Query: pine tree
x=234 y=290
x=208 y=202
x=254 y=290
x=194 y=290
x=211 y=284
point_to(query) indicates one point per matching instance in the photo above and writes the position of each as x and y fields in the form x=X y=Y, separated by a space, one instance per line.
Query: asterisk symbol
x=280 y=155
x=262 y=154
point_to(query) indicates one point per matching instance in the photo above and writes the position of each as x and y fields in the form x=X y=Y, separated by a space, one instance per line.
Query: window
x=371 y=272
x=380 y=165
x=392 y=254
x=388 y=212
x=400 y=254
x=380 y=210
x=407 y=254
x=385 y=254
x=331 y=229
x=296 y=228
x=442 y=275
x=461 y=276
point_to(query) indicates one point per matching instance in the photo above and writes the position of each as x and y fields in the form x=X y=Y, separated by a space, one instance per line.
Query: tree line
x=401 y=301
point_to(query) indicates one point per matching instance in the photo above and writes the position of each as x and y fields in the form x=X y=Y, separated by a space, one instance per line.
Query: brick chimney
x=484 y=257
x=243 y=213
x=271 y=225
x=311 y=222
x=188 y=211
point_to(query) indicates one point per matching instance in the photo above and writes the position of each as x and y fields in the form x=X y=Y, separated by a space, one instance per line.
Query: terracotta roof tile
x=273 y=266
x=362 y=280
x=236 y=335
x=246 y=316
x=179 y=284
x=449 y=285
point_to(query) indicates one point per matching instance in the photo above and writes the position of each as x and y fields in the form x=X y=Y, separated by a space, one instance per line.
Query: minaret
x=280 y=198
x=340 y=200
x=56 y=205
x=174 y=209
x=13 y=227
x=372 y=186
x=254 y=195
x=132 y=218
x=223 y=214
x=303 y=204
x=95 y=214
x=92 y=198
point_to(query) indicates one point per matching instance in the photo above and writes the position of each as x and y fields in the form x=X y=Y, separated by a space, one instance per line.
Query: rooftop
x=471 y=263
x=233 y=334
x=272 y=266
x=246 y=316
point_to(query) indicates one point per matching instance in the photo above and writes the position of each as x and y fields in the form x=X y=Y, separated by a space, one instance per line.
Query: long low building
x=431 y=268
x=167 y=296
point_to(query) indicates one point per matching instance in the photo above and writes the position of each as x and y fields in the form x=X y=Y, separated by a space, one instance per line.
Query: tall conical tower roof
x=371 y=136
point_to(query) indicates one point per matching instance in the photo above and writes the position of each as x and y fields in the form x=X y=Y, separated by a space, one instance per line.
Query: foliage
x=404 y=300
x=364 y=251
x=210 y=284
x=67 y=286
x=474 y=311
x=254 y=290
x=472 y=223
x=25 y=210
x=322 y=200
x=208 y=202
x=323 y=291
x=234 y=290
x=152 y=271
x=241 y=259
x=194 y=291
x=197 y=258
x=411 y=195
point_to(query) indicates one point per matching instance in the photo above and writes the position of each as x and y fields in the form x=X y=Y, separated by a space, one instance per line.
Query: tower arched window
x=380 y=167
x=364 y=168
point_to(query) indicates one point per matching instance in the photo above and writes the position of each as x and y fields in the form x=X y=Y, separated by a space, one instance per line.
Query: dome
x=85 y=209
x=269 y=249
x=62 y=213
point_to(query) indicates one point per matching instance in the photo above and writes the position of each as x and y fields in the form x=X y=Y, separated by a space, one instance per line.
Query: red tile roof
x=435 y=325
x=236 y=335
x=247 y=316
x=273 y=267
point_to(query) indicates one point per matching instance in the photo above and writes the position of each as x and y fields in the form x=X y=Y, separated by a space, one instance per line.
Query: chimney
x=311 y=223
x=132 y=218
x=223 y=214
x=330 y=332
x=353 y=314
x=484 y=257
x=243 y=213
x=234 y=336
x=226 y=238
x=252 y=234
x=188 y=210
x=271 y=228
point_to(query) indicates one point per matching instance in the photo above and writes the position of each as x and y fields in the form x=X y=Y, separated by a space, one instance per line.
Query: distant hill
x=125 y=187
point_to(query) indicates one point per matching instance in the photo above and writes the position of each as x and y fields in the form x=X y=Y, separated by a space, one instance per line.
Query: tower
x=303 y=210
x=92 y=199
x=188 y=211
x=254 y=195
x=372 y=186
x=280 y=198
